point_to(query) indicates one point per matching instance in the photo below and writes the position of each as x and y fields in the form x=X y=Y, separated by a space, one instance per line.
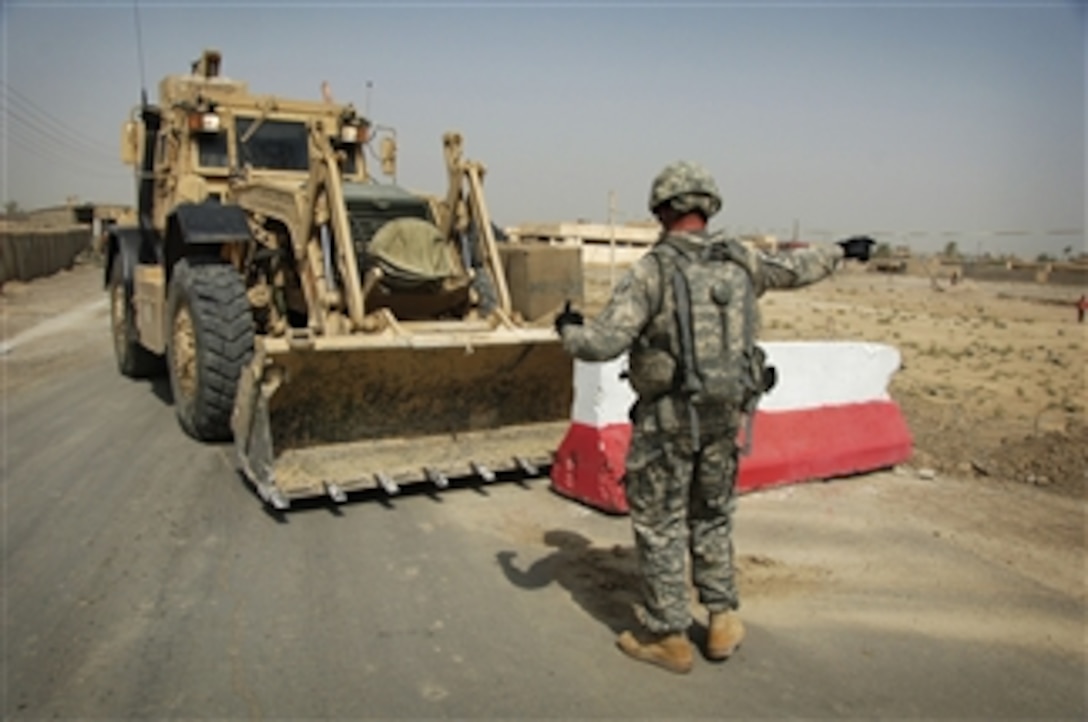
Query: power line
x=19 y=120
x=57 y=159
x=27 y=124
x=69 y=169
x=30 y=107
x=60 y=157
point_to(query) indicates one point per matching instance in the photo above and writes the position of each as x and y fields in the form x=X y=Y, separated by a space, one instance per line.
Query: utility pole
x=612 y=239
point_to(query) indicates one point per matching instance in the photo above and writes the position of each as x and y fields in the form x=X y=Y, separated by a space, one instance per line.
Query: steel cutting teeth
x=527 y=466
x=274 y=498
x=484 y=473
x=335 y=492
x=436 y=477
x=386 y=483
x=271 y=495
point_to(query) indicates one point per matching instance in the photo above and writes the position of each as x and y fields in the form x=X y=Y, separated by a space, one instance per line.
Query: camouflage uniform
x=682 y=499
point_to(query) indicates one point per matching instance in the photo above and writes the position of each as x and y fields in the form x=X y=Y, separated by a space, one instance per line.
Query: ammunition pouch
x=652 y=372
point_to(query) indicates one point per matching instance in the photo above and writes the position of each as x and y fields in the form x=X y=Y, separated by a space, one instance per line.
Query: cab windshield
x=272 y=144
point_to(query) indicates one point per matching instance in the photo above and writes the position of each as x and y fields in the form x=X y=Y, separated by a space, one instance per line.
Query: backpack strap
x=667 y=254
x=656 y=253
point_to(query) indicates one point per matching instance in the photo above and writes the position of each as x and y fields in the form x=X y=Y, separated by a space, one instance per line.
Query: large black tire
x=133 y=360
x=210 y=339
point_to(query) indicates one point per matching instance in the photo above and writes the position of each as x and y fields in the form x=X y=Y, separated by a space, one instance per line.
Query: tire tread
x=223 y=324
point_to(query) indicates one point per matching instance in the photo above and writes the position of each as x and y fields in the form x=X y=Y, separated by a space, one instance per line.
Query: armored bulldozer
x=345 y=332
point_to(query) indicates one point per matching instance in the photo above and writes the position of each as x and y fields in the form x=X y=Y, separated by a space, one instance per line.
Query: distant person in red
x=1082 y=306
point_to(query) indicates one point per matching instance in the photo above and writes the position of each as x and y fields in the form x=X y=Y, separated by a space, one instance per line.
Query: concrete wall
x=997 y=272
x=29 y=254
x=541 y=277
x=1055 y=273
x=1069 y=275
x=587 y=233
x=53 y=217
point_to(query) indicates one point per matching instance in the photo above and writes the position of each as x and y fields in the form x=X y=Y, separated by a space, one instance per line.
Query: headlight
x=204 y=123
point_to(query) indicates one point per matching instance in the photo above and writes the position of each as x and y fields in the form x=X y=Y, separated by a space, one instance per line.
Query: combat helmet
x=686 y=187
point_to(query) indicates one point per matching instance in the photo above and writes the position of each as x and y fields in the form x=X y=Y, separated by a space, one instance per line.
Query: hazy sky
x=886 y=117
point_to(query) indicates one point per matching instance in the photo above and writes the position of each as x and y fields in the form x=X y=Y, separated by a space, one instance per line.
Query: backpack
x=712 y=292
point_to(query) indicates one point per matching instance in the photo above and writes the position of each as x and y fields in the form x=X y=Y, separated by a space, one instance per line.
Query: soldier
x=686 y=313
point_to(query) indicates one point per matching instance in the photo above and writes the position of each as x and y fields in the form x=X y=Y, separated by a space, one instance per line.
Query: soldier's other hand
x=857 y=247
x=568 y=317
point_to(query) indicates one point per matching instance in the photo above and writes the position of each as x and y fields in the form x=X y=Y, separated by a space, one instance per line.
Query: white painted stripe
x=828 y=373
x=601 y=397
x=54 y=325
x=810 y=374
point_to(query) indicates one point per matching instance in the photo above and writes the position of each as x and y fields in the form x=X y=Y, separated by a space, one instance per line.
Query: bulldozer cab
x=211 y=131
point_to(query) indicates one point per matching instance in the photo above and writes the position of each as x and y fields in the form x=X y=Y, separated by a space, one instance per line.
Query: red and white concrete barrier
x=590 y=462
x=829 y=415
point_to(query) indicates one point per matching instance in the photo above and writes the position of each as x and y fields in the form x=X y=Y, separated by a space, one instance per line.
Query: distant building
x=96 y=215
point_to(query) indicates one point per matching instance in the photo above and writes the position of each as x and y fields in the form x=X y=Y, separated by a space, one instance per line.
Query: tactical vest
x=700 y=343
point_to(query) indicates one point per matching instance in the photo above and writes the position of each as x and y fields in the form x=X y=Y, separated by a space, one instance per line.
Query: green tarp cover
x=411 y=252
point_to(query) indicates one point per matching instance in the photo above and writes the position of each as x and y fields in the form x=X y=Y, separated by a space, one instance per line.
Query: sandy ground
x=49 y=319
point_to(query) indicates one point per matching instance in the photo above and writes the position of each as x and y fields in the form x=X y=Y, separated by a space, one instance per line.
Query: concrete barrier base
x=829 y=417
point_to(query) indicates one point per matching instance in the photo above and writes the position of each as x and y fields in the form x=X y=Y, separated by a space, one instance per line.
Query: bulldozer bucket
x=325 y=416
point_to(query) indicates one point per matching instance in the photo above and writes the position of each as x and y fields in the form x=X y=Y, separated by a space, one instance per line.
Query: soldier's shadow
x=602 y=581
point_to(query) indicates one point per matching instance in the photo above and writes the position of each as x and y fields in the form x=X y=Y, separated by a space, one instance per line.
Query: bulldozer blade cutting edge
x=379 y=412
x=483 y=472
x=437 y=478
x=335 y=493
x=387 y=484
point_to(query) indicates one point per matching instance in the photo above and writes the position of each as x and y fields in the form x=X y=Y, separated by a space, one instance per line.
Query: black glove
x=857 y=247
x=568 y=317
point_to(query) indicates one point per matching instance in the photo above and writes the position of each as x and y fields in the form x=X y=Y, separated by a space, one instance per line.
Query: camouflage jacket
x=640 y=306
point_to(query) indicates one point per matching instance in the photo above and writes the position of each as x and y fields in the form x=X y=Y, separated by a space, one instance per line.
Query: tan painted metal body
x=346 y=366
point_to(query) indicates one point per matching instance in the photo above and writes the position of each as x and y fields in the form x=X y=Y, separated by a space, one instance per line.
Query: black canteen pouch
x=762 y=377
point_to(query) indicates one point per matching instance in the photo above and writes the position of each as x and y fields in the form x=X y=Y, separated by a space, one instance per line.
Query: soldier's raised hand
x=568 y=317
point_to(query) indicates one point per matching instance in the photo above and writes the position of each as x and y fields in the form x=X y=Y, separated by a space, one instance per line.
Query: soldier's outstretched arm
x=617 y=326
x=800 y=267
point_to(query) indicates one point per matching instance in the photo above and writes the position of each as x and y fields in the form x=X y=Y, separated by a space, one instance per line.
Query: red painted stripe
x=790 y=447
x=824 y=442
x=589 y=465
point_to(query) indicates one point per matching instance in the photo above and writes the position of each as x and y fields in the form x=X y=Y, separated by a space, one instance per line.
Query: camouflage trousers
x=682 y=502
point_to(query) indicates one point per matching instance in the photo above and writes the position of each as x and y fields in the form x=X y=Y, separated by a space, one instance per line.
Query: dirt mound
x=1054 y=459
x=1044 y=450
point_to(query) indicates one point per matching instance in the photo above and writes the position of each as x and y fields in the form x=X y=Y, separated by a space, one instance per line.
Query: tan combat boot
x=725 y=635
x=671 y=651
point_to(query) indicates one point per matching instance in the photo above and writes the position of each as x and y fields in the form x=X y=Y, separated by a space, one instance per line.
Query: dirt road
x=143 y=579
